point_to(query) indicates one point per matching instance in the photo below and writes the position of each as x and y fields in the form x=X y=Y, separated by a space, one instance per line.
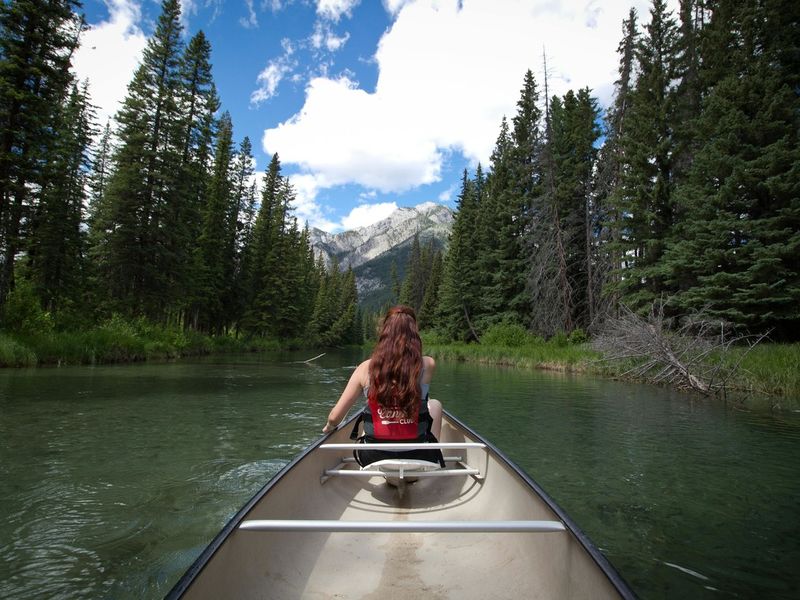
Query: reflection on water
x=113 y=479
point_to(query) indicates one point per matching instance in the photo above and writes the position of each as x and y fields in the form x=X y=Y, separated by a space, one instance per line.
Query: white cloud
x=272 y=75
x=334 y=9
x=306 y=209
x=252 y=19
x=447 y=195
x=344 y=125
x=393 y=6
x=324 y=37
x=109 y=54
x=448 y=72
x=367 y=214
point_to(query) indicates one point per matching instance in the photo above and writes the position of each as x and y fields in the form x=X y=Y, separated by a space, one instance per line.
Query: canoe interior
x=284 y=565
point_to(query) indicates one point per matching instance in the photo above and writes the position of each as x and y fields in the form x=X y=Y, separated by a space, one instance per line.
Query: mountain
x=371 y=250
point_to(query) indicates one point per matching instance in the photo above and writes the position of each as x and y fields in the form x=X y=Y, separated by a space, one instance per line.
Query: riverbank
x=768 y=370
x=119 y=341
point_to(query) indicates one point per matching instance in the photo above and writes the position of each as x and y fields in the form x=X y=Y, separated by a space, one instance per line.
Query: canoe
x=478 y=528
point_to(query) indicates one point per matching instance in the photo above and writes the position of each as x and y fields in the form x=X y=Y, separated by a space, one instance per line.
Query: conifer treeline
x=175 y=231
x=693 y=195
x=689 y=190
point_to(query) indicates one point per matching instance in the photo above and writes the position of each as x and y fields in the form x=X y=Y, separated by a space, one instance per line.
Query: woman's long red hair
x=396 y=362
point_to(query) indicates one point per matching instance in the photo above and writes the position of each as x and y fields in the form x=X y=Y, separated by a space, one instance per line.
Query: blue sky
x=371 y=104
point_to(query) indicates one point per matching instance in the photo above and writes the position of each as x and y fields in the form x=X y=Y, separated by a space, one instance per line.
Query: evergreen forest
x=685 y=191
x=685 y=188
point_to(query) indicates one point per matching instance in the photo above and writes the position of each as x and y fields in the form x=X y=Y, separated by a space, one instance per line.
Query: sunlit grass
x=767 y=369
x=536 y=355
x=119 y=340
x=770 y=369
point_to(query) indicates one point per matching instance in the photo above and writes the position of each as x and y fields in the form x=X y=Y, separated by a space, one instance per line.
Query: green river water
x=113 y=479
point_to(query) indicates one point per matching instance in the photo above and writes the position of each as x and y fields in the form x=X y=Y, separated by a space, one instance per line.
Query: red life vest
x=382 y=424
x=390 y=423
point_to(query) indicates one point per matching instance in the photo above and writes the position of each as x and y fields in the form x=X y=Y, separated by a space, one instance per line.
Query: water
x=113 y=479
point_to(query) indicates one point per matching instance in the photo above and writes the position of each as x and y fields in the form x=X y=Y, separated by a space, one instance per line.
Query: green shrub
x=578 y=336
x=559 y=340
x=432 y=337
x=511 y=335
x=23 y=311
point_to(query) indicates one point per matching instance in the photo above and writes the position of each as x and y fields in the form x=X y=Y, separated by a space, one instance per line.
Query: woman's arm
x=351 y=392
x=430 y=366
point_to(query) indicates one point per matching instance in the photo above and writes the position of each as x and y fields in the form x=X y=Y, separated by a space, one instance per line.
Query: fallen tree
x=687 y=353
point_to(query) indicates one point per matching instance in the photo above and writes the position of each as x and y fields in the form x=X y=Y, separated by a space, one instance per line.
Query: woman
x=395 y=381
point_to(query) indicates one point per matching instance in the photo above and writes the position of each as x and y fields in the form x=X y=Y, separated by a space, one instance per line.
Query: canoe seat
x=402 y=526
x=395 y=470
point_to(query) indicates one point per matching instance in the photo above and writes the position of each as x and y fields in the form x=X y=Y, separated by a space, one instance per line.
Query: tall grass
x=119 y=340
x=770 y=369
x=536 y=356
x=14 y=354
x=766 y=370
x=508 y=344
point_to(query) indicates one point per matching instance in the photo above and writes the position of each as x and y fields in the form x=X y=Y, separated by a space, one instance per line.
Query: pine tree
x=427 y=312
x=345 y=328
x=581 y=116
x=497 y=246
x=241 y=219
x=395 y=283
x=98 y=178
x=215 y=263
x=334 y=313
x=37 y=40
x=413 y=289
x=56 y=245
x=736 y=252
x=611 y=164
x=459 y=293
x=283 y=280
x=551 y=234
x=648 y=144
x=284 y=277
x=688 y=95
x=525 y=189
x=196 y=127
x=139 y=263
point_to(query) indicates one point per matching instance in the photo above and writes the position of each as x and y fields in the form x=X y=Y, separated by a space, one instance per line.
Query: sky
x=370 y=104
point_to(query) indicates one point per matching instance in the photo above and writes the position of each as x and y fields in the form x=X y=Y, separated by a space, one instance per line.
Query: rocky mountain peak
x=359 y=246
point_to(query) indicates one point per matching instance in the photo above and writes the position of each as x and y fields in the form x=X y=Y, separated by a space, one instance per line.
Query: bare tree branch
x=692 y=354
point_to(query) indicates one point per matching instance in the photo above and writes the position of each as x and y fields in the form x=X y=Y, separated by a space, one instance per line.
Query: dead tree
x=690 y=353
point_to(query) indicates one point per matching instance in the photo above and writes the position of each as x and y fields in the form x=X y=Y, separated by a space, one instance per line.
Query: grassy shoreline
x=767 y=371
x=121 y=342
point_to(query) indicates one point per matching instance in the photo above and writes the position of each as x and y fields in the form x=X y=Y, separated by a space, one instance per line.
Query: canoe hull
x=401 y=564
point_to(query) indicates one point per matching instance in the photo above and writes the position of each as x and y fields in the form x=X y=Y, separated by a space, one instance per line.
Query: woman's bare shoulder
x=363 y=372
x=428 y=363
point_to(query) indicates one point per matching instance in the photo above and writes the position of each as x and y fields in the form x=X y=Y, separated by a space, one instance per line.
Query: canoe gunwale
x=233 y=524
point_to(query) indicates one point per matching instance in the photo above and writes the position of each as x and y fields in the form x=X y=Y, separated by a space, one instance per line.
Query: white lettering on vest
x=389 y=415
